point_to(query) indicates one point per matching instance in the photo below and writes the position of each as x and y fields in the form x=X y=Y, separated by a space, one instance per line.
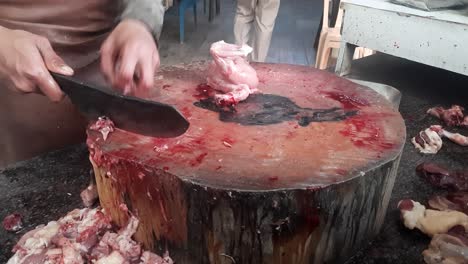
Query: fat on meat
x=428 y=221
x=231 y=74
x=150 y=258
x=428 y=141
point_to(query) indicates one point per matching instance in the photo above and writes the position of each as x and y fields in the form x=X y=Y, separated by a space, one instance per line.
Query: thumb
x=52 y=61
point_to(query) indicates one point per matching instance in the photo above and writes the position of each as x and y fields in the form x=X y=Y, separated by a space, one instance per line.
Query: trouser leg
x=243 y=20
x=266 y=12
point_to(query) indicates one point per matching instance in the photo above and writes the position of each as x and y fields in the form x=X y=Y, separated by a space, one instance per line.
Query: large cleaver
x=95 y=99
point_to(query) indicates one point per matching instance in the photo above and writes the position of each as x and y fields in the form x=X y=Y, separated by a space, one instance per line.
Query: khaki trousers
x=254 y=23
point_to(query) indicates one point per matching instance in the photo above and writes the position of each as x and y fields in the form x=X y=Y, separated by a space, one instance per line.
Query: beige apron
x=31 y=124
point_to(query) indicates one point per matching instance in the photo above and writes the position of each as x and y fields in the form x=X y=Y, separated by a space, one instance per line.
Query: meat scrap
x=452 y=116
x=83 y=236
x=447 y=227
x=440 y=177
x=231 y=74
x=455 y=138
x=453 y=201
x=427 y=141
x=89 y=195
x=428 y=221
x=445 y=248
x=104 y=125
x=12 y=222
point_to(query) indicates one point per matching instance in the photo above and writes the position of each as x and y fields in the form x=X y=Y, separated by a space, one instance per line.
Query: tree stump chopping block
x=300 y=172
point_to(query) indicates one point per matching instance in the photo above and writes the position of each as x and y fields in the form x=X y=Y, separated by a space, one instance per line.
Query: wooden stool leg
x=321 y=43
x=325 y=56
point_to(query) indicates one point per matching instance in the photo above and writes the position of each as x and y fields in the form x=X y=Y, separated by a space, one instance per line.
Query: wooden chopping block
x=300 y=173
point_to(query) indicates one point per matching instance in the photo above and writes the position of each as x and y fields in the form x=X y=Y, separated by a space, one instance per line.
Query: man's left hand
x=130 y=57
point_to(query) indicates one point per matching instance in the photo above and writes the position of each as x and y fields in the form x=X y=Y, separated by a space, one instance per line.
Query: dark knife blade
x=133 y=114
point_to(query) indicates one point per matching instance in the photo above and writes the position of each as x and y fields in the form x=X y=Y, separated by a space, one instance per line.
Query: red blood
x=198 y=160
x=186 y=112
x=273 y=178
x=227 y=103
x=166 y=86
x=204 y=91
x=12 y=222
x=198 y=141
x=406 y=205
x=348 y=102
x=364 y=132
x=166 y=168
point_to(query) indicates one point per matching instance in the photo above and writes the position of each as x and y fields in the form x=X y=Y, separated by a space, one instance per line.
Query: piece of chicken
x=231 y=74
x=428 y=141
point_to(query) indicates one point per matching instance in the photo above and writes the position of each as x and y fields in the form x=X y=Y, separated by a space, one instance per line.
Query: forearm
x=150 y=12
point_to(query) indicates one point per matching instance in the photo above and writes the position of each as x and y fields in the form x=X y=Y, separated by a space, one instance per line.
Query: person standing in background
x=254 y=22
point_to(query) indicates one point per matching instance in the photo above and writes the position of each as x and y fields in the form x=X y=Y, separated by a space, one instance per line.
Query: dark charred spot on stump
x=269 y=109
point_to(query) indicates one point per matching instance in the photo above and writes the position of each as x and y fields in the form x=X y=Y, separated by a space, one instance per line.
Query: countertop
x=48 y=186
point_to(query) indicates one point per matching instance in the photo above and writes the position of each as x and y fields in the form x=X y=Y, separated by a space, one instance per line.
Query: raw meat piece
x=427 y=141
x=431 y=222
x=452 y=116
x=455 y=137
x=150 y=258
x=442 y=178
x=231 y=74
x=78 y=238
x=114 y=258
x=453 y=201
x=447 y=249
x=103 y=125
x=12 y=222
x=89 y=196
x=122 y=242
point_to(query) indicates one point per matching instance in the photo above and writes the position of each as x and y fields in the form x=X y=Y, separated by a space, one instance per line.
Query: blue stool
x=183 y=6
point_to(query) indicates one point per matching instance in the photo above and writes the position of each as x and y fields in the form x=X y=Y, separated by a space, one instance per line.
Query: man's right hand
x=25 y=61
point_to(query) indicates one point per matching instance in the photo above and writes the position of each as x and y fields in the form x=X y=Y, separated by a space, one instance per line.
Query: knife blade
x=129 y=113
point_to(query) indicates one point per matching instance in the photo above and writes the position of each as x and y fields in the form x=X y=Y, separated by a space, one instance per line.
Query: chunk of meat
x=427 y=141
x=439 y=176
x=103 y=125
x=452 y=201
x=114 y=258
x=12 y=222
x=446 y=249
x=150 y=258
x=89 y=196
x=83 y=236
x=231 y=74
x=455 y=137
x=431 y=222
x=452 y=116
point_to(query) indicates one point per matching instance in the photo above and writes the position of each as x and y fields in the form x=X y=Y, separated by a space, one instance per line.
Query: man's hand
x=25 y=61
x=129 y=57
